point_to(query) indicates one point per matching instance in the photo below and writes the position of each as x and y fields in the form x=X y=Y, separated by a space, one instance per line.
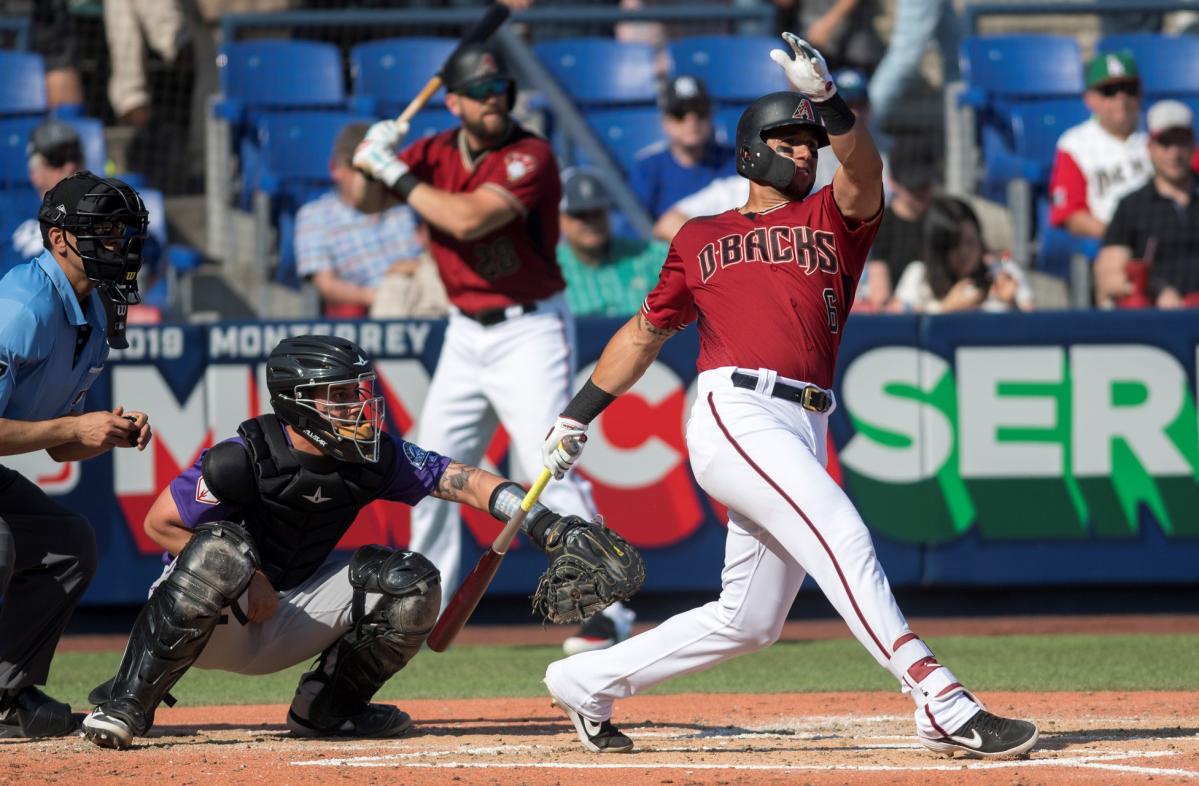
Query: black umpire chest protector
x=306 y=502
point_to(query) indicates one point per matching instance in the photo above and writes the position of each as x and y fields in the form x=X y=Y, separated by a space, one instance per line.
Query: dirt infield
x=832 y=738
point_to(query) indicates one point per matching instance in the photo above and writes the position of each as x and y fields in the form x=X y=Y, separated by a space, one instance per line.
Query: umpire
x=59 y=313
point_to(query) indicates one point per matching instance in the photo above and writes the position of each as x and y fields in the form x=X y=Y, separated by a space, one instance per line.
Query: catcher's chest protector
x=306 y=502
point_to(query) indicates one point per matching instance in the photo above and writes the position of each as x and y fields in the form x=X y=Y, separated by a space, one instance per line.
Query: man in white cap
x=1158 y=224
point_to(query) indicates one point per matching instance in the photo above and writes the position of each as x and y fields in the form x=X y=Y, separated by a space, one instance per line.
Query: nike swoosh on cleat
x=973 y=741
x=591 y=727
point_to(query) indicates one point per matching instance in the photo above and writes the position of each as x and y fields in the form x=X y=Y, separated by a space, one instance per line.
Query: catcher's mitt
x=591 y=567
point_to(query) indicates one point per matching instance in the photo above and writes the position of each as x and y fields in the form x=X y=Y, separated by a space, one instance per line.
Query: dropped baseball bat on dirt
x=491 y=20
x=463 y=604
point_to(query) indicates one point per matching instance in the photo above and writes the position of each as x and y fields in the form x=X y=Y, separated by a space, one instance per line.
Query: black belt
x=493 y=316
x=809 y=397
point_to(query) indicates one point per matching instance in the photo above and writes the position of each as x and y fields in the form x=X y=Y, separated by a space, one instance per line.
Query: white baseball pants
x=764 y=458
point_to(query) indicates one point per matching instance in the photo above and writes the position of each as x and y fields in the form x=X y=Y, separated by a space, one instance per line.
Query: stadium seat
x=627 y=132
x=163 y=262
x=23 y=89
x=1036 y=127
x=598 y=71
x=429 y=122
x=1056 y=248
x=387 y=74
x=1168 y=64
x=736 y=69
x=724 y=124
x=275 y=74
x=996 y=68
x=91 y=138
x=296 y=147
x=14 y=135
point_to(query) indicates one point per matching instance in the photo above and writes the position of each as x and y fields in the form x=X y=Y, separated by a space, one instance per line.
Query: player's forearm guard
x=588 y=403
x=405 y=184
x=838 y=117
x=505 y=501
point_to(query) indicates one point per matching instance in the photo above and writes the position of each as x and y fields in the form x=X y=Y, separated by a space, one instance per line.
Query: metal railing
x=975 y=11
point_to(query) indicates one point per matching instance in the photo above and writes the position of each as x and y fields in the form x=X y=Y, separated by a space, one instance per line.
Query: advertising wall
x=981 y=449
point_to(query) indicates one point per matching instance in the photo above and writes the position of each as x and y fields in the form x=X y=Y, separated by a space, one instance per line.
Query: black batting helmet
x=109 y=222
x=473 y=64
x=324 y=387
x=755 y=159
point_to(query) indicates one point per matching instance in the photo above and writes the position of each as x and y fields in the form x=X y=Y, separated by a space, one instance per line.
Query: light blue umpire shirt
x=48 y=357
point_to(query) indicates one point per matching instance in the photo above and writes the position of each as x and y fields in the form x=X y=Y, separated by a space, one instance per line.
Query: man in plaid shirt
x=605 y=275
x=347 y=254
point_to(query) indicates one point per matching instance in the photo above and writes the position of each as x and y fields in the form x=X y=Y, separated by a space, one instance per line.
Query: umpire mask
x=108 y=221
x=324 y=387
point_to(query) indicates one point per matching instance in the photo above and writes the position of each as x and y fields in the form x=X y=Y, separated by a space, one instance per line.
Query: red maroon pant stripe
x=827 y=550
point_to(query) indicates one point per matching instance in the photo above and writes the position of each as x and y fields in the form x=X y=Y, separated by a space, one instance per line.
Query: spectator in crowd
x=129 y=25
x=917 y=22
x=348 y=254
x=52 y=35
x=1158 y=224
x=843 y=30
x=54 y=151
x=689 y=158
x=605 y=275
x=1104 y=158
x=954 y=274
x=726 y=193
x=900 y=237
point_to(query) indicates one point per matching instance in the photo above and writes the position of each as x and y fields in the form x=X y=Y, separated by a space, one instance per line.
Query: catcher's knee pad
x=381 y=642
x=171 y=630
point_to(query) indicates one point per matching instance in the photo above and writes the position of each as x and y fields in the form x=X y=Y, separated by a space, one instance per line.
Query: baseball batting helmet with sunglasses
x=478 y=73
x=108 y=221
x=324 y=387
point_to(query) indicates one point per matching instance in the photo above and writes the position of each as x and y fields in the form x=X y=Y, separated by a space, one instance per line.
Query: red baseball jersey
x=516 y=263
x=771 y=289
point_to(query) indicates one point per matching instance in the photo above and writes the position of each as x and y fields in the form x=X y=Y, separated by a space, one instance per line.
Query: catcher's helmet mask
x=772 y=112
x=324 y=388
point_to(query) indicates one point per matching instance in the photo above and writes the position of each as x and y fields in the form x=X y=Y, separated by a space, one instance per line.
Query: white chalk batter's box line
x=1100 y=761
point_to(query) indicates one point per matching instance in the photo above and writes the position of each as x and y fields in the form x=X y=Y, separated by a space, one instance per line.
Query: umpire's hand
x=110 y=430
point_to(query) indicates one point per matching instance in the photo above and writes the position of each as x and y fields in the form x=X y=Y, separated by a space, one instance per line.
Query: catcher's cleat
x=377 y=721
x=108 y=730
x=28 y=713
x=596 y=736
x=987 y=736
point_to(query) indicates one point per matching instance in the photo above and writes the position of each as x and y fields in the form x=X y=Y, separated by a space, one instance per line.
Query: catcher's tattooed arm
x=467 y=485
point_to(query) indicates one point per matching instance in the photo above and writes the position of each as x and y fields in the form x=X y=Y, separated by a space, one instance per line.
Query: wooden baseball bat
x=492 y=18
x=463 y=604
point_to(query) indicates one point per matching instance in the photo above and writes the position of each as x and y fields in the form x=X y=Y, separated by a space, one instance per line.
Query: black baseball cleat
x=108 y=729
x=987 y=736
x=377 y=721
x=596 y=736
x=31 y=714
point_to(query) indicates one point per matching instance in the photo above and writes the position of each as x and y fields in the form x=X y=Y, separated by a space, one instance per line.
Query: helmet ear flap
x=756 y=161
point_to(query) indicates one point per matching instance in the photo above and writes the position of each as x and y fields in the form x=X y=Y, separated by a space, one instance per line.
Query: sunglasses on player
x=481 y=91
x=1127 y=88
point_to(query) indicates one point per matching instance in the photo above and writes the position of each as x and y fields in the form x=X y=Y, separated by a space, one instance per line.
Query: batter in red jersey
x=770 y=286
x=489 y=191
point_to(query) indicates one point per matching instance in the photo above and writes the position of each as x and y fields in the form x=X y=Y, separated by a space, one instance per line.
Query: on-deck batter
x=489 y=191
x=771 y=286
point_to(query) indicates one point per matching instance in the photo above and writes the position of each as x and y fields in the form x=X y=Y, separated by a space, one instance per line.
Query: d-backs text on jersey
x=811 y=249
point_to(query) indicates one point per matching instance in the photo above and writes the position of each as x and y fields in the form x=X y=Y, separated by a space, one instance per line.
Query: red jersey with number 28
x=771 y=290
x=516 y=263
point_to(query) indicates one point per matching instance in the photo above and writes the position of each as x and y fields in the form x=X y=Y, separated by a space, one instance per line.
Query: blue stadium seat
x=626 y=132
x=596 y=71
x=724 y=124
x=1036 y=127
x=296 y=147
x=163 y=262
x=91 y=138
x=387 y=74
x=1168 y=64
x=23 y=89
x=14 y=135
x=429 y=122
x=276 y=74
x=1056 y=248
x=1001 y=67
x=734 y=68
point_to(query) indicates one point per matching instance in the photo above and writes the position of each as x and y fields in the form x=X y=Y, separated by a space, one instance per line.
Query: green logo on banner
x=1035 y=442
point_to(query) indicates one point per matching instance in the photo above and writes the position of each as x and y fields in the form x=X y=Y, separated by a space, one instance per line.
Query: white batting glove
x=807 y=71
x=387 y=132
x=563 y=445
x=378 y=160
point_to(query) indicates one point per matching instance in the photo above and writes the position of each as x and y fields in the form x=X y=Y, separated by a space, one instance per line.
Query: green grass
x=1041 y=663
